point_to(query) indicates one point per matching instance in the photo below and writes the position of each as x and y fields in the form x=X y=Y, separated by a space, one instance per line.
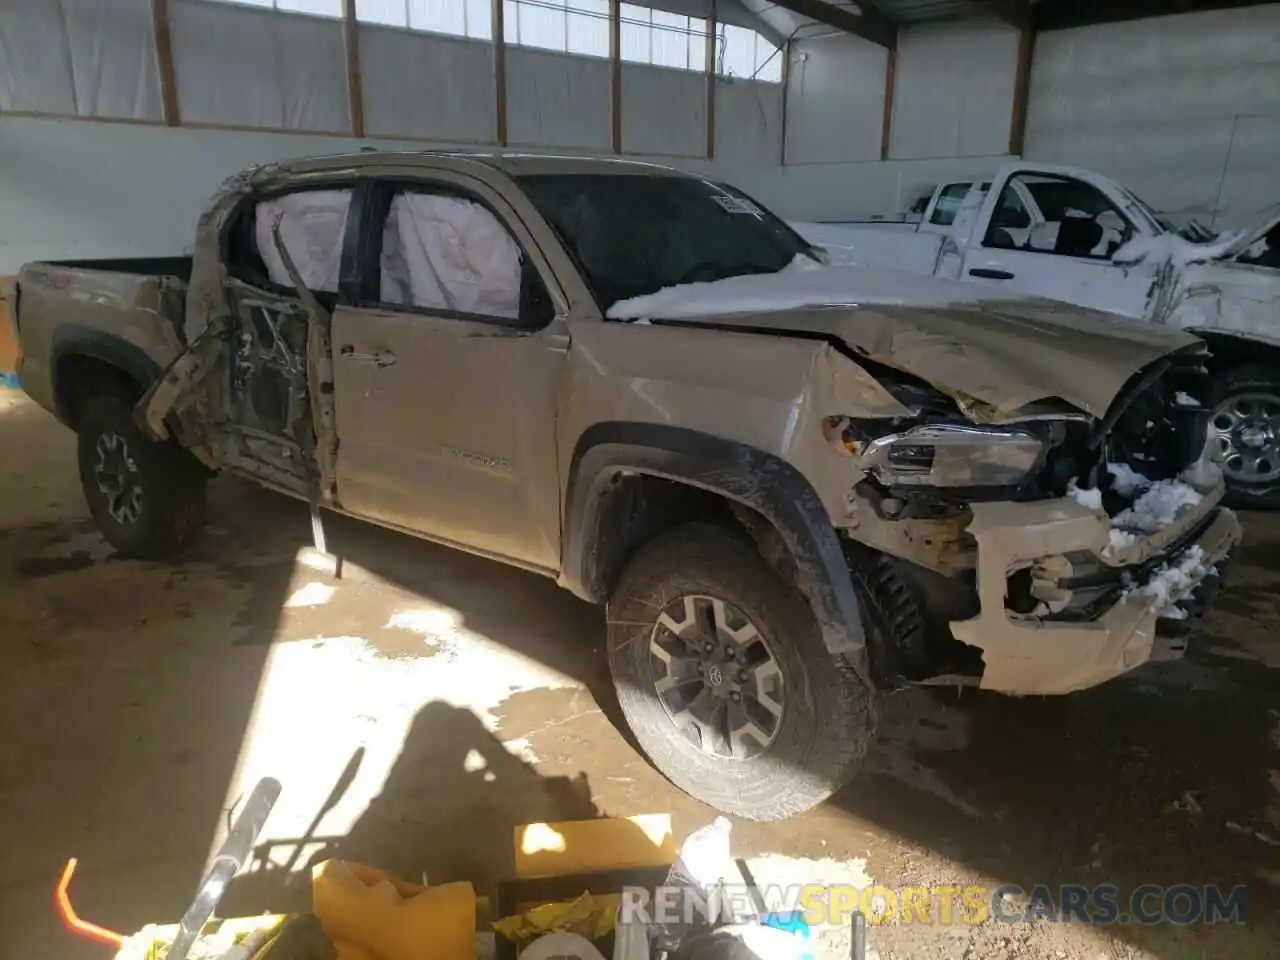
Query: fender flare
x=746 y=475
x=74 y=340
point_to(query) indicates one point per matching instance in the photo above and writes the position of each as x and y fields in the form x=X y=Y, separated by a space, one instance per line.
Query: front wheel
x=1245 y=426
x=147 y=498
x=724 y=679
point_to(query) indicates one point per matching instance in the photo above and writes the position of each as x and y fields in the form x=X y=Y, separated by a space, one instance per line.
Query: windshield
x=1146 y=208
x=633 y=234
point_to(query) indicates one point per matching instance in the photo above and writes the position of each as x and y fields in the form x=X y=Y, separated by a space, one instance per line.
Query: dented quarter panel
x=141 y=310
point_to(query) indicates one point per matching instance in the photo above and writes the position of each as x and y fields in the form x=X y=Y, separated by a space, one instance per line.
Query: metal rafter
x=869 y=23
x=1060 y=14
x=1015 y=12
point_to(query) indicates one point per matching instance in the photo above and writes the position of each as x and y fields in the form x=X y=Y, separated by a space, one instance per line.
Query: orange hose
x=72 y=922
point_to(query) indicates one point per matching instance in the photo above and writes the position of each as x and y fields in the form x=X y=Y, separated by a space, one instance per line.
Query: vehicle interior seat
x=1078 y=236
x=1002 y=239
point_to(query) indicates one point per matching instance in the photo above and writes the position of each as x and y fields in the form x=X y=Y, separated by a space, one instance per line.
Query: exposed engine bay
x=1142 y=471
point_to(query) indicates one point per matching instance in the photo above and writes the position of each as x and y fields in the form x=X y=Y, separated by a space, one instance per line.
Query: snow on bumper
x=1164 y=578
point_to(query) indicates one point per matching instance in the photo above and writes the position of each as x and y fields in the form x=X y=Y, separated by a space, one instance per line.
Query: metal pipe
x=231 y=856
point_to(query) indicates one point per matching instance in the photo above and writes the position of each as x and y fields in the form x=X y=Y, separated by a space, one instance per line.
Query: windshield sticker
x=737 y=205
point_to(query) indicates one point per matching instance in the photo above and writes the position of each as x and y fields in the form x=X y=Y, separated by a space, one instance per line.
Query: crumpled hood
x=1002 y=351
x=1005 y=355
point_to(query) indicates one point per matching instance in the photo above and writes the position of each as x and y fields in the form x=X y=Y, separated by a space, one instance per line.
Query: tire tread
x=833 y=751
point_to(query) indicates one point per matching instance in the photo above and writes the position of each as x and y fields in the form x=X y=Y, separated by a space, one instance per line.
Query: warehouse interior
x=428 y=702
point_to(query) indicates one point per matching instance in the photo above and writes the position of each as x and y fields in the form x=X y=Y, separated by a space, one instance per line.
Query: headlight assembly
x=942 y=455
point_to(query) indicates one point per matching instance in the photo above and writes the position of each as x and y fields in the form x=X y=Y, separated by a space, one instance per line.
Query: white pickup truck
x=1077 y=236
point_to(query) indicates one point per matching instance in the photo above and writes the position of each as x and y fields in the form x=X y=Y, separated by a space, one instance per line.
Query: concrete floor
x=429 y=702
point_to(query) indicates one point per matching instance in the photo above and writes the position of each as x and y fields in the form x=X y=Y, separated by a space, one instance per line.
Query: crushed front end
x=1051 y=552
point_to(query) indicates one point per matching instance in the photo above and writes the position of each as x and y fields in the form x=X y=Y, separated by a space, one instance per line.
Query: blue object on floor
x=793 y=923
x=10 y=380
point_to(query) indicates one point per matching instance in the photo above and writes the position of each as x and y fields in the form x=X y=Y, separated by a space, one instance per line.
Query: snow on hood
x=994 y=354
x=1176 y=249
x=803 y=283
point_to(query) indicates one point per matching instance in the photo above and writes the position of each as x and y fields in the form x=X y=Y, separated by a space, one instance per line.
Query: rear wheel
x=147 y=498
x=723 y=676
x=1245 y=426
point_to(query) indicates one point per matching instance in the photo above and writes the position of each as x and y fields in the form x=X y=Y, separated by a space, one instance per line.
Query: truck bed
x=128 y=312
x=178 y=267
x=892 y=246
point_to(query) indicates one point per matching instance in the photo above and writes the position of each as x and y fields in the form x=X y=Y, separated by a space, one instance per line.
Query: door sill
x=277 y=487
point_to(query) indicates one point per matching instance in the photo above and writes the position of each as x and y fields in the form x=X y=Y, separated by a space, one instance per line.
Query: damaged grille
x=1091 y=587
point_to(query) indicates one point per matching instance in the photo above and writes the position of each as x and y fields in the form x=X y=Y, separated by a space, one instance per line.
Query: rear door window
x=313 y=228
x=312 y=225
x=948 y=205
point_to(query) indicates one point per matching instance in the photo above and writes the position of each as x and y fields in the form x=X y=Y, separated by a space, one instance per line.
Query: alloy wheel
x=115 y=473
x=716 y=677
x=1246 y=429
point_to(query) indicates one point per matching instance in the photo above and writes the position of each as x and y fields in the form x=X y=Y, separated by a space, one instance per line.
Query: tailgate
x=99 y=313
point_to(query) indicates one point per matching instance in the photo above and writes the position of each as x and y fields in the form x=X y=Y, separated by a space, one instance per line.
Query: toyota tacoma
x=792 y=484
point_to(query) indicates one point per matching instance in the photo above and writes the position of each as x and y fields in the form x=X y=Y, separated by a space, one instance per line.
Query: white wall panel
x=418 y=85
x=664 y=111
x=85 y=57
x=1166 y=105
x=243 y=66
x=748 y=123
x=835 y=100
x=954 y=89
x=556 y=100
x=851 y=191
x=70 y=189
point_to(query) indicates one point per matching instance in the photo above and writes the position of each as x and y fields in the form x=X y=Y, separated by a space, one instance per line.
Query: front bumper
x=1054 y=656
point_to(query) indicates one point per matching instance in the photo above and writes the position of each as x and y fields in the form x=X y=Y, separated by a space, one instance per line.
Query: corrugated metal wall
x=1185 y=110
x=951 y=112
x=414 y=85
x=71 y=189
x=835 y=100
x=954 y=91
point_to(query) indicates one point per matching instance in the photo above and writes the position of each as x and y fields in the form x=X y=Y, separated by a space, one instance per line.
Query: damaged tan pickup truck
x=792 y=484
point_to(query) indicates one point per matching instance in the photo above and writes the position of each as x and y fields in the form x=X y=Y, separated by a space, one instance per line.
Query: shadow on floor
x=129 y=687
x=1077 y=790
x=1163 y=778
x=522 y=612
x=447 y=811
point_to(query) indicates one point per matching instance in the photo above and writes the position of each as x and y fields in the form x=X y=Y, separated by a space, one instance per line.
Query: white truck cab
x=1074 y=235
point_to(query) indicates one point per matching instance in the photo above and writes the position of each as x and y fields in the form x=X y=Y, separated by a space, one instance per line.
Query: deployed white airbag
x=311 y=225
x=448 y=253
